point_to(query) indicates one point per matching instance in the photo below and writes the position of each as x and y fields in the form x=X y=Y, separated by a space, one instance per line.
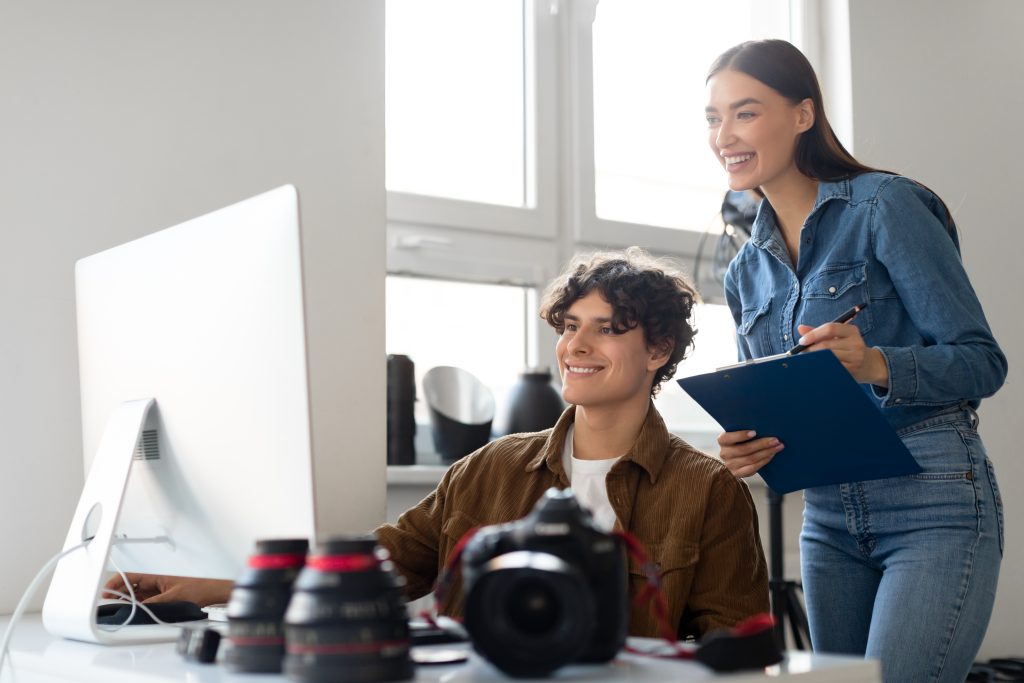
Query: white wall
x=938 y=91
x=119 y=118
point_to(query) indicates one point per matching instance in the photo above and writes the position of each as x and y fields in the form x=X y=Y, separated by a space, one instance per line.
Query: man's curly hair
x=643 y=292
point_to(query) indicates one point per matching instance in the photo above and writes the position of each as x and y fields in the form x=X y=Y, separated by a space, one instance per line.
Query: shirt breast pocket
x=834 y=290
x=753 y=327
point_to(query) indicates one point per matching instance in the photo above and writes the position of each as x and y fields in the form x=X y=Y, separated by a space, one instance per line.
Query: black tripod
x=786 y=603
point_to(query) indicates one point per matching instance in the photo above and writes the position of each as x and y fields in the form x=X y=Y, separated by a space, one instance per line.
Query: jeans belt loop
x=966 y=406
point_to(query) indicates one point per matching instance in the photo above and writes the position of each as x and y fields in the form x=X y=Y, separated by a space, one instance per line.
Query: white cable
x=149 y=539
x=142 y=606
x=28 y=595
x=30 y=592
x=131 y=596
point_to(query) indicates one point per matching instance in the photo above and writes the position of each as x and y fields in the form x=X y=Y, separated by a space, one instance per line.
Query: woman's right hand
x=744 y=454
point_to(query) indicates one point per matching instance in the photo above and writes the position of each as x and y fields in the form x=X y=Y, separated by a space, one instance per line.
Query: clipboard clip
x=754 y=361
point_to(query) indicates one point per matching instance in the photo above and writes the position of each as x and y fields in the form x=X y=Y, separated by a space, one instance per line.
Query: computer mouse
x=116 y=613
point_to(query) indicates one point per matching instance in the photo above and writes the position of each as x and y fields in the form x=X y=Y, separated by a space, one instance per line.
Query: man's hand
x=156 y=588
x=743 y=454
x=866 y=364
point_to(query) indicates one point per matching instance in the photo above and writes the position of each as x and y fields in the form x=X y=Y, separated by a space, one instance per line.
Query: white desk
x=39 y=657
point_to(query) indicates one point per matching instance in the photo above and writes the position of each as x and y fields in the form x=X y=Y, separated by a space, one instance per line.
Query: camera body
x=546 y=590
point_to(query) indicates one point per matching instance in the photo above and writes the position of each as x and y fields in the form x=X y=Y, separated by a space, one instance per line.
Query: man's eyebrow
x=736 y=105
x=576 y=318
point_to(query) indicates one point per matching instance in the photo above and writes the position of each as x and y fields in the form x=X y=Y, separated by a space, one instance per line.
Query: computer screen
x=206 y=318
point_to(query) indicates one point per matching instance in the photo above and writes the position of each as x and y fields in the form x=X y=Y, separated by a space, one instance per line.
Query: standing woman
x=901 y=569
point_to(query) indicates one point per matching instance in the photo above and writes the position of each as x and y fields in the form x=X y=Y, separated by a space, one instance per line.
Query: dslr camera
x=546 y=590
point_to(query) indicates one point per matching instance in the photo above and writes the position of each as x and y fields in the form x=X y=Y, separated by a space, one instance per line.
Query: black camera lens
x=546 y=590
x=530 y=613
x=537 y=609
x=347 y=618
x=257 y=605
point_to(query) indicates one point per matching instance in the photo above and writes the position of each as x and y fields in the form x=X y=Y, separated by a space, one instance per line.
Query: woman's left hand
x=866 y=364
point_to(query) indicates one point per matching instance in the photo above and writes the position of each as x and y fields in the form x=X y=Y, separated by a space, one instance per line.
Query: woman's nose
x=725 y=136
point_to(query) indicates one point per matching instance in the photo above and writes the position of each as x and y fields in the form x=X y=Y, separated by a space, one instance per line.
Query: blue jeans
x=905 y=569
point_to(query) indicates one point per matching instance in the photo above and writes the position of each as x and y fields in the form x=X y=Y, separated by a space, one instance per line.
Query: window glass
x=454 y=99
x=652 y=162
x=477 y=327
x=714 y=346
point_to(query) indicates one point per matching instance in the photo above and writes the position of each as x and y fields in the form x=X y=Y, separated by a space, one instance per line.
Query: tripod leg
x=779 y=609
x=797 y=619
x=775 y=567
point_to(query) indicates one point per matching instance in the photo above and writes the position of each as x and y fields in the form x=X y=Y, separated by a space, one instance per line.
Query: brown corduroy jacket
x=696 y=520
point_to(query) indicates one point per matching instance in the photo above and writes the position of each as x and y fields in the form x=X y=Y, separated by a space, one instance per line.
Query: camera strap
x=750 y=644
x=443 y=585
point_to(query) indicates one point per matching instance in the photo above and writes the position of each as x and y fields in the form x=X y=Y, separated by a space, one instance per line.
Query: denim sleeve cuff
x=902 y=366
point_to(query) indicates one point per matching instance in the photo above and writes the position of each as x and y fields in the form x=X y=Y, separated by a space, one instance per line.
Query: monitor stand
x=70 y=606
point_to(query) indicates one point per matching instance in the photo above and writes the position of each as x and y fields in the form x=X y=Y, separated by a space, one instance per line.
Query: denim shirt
x=881 y=239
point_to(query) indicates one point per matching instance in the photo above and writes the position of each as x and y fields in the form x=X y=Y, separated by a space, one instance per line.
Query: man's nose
x=578 y=344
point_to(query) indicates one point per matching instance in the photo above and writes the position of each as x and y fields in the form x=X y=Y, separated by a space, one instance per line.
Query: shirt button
x=831 y=290
x=898 y=400
x=785 y=337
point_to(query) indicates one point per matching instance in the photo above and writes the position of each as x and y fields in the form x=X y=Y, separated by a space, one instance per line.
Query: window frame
x=587 y=226
x=539 y=217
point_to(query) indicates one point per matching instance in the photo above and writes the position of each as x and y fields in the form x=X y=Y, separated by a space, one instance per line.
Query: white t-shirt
x=587 y=478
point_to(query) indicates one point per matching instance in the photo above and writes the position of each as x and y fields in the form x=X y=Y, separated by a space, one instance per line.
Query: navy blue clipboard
x=832 y=432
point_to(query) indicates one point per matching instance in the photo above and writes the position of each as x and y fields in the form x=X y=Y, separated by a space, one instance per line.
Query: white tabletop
x=39 y=657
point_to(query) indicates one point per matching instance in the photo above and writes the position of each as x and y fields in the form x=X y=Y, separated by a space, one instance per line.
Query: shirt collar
x=648 y=451
x=764 y=223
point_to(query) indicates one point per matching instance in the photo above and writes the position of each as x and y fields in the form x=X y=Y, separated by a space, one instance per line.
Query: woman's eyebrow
x=736 y=105
x=744 y=102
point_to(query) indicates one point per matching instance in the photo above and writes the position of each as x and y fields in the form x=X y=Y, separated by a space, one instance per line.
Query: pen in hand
x=844 y=318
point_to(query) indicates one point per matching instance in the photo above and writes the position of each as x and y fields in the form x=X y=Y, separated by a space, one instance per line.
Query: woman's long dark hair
x=783 y=68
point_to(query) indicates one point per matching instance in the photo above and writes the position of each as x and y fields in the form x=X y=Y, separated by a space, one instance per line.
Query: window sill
x=415 y=475
x=429 y=473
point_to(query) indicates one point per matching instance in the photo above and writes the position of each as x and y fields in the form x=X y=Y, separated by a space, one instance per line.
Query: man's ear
x=805 y=115
x=659 y=356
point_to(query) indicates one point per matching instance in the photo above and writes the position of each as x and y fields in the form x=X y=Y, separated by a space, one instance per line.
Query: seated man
x=623 y=322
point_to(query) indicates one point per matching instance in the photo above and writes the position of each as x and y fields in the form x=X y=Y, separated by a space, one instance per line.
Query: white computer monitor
x=195 y=405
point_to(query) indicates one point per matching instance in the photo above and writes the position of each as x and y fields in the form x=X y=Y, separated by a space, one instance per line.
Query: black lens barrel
x=258 y=603
x=347 y=619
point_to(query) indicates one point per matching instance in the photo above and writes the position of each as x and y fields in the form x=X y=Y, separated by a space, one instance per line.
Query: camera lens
x=529 y=613
x=257 y=605
x=537 y=609
x=347 y=620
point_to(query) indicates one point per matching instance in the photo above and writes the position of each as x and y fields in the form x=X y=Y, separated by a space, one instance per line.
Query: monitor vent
x=147 y=448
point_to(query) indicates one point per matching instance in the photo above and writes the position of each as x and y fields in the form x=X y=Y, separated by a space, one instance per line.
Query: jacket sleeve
x=414 y=542
x=960 y=358
x=730 y=582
